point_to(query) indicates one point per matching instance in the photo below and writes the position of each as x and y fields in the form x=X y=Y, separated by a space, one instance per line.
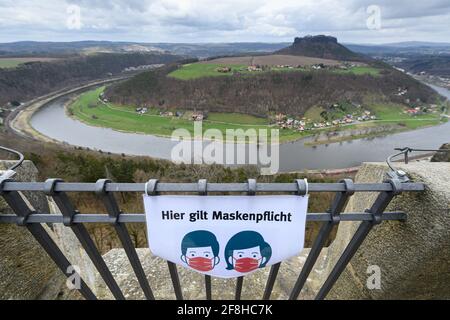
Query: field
x=272 y=60
x=360 y=70
x=200 y=70
x=271 y=63
x=124 y=118
x=387 y=114
x=14 y=62
x=394 y=114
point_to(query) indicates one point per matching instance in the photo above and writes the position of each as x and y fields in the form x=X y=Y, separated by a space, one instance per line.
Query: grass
x=391 y=119
x=14 y=62
x=392 y=113
x=124 y=118
x=360 y=71
x=313 y=113
x=200 y=70
x=236 y=118
x=88 y=109
x=9 y=63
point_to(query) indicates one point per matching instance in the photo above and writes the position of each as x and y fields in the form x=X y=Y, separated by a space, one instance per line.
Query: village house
x=223 y=69
x=166 y=114
x=142 y=110
x=401 y=92
x=197 y=116
x=254 y=68
x=318 y=66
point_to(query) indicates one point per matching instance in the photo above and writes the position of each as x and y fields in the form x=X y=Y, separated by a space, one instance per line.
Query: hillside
x=430 y=64
x=320 y=46
x=259 y=94
x=34 y=79
x=201 y=50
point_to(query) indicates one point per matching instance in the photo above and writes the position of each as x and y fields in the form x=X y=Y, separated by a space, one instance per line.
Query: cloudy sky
x=354 y=21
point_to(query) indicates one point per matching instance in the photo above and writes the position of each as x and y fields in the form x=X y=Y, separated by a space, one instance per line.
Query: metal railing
x=56 y=189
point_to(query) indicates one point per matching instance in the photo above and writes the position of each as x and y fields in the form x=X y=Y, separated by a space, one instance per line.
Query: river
x=52 y=121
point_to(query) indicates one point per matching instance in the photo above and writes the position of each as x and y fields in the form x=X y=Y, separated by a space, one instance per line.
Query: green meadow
x=200 y=70
x=90 y=110
x=124 y=118
x=9 y=63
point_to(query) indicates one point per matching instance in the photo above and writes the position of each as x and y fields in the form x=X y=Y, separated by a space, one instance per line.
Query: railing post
x=150 y=190
x=112 y=208
x=251 y=191
x=68 y=211
x=22 y=210
x=203 y=191
x=271 y=280
x=361 y=233
x=337 y=206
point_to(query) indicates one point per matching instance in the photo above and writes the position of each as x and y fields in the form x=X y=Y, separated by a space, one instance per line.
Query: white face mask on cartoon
x=225 y=236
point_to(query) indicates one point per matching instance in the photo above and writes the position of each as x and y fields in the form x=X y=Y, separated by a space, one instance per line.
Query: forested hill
x=34 y=79
x=320 y=46
x=431 y=64
x=286 y=92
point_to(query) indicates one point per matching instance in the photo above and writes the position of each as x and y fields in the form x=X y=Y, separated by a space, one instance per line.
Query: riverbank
x=373 y=132
x=390 y=118
x=18 y=121
x=89 y=109
x=52 y=123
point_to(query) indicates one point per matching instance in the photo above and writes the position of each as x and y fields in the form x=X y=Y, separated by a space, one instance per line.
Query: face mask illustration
x=201 y=263
x=245 y=265
x=247 y=251
x=200 y=250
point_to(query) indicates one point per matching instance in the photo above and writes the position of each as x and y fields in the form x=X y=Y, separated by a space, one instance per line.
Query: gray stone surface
x=26 y=272
x=193 y=283
x=74 y=252
x=414 y=256
x=442 y=156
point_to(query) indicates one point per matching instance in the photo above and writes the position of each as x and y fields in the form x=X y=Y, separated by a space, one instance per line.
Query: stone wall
x=26 y=271
x=414 y=256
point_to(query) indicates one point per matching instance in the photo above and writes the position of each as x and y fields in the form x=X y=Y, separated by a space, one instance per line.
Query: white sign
x=226 y=236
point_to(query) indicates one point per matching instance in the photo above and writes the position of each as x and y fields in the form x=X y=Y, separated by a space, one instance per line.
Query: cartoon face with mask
x=247 y=251
x=200 y=250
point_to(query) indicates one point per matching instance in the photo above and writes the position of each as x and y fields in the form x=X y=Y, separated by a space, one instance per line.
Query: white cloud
x=226 y=20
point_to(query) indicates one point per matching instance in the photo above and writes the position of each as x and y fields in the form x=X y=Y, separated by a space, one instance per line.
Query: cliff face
x=321 y=47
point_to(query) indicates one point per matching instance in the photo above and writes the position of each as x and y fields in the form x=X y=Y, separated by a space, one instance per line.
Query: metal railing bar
x=175 y=280
x=356 y=241
x=88 y=244
x=211 y=187
x=271 y=281
x=37 y=218
x=208 y=287
x=68 y=211
x=337 y=206
x=238 y=292
x=112 y=207
x=377 y=209
x=18 y=205
x=202 y=191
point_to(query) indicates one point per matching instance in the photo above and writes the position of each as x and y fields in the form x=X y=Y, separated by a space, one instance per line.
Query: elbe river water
x=52 y=121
